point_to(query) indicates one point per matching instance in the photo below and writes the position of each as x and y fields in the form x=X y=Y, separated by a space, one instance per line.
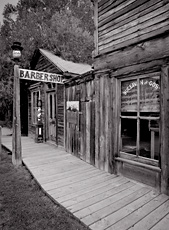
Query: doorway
x=51 y=121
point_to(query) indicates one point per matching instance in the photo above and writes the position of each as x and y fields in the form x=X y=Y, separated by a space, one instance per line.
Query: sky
x=2 y=4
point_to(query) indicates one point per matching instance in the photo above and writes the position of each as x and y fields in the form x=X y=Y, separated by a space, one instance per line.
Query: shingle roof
x=66 y=66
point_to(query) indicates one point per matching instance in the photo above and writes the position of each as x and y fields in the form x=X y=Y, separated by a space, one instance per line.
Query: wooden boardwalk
x=98 y=199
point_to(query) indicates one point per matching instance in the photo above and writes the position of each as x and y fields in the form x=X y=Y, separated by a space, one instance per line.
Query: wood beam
x=165 y=130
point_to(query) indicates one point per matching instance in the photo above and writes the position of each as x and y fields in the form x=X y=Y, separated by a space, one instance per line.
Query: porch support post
x=16 y=136
x=165 y=130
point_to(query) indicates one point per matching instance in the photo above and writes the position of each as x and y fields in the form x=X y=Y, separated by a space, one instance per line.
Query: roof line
x=41 y=51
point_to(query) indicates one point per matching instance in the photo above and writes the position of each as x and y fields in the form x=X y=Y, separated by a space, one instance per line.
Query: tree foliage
x=64 y=26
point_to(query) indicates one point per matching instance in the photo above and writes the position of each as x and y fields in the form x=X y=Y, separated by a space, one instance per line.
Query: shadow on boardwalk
x=99 y=199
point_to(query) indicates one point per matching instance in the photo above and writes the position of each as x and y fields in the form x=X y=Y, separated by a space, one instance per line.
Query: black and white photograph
x=84 y=114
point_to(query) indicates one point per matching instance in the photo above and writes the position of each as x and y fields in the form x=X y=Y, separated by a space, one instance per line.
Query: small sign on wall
x=72 y=106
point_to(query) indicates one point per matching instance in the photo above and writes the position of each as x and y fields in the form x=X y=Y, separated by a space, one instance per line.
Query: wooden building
x=122 y=122
x=50 y=94
x=131 y=61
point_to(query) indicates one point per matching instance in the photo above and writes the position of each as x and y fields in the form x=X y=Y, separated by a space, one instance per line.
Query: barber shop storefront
x=46 y=95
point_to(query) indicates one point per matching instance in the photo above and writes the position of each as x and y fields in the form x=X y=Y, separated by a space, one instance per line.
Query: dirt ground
x=24 y=206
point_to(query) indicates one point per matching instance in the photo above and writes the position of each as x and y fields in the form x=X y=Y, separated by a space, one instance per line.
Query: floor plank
x=107 y=222
x=95 y=199
x=106 y=202
x=82 y=197
x=115 y=206
x=89 y=190
x=58 y=192
x=163 y=224
x=139 y=214
x=153 y=218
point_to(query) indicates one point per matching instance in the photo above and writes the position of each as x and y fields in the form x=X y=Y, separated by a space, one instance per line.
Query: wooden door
x=52 y=116
x=73 y=132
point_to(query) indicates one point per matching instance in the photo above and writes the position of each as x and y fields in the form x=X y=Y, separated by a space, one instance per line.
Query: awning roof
x=66 y=66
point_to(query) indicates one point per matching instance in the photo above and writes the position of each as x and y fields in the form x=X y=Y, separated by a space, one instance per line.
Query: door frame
x=48 y=91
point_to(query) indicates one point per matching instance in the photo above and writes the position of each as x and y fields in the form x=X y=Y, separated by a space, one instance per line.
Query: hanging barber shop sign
x=40 y=76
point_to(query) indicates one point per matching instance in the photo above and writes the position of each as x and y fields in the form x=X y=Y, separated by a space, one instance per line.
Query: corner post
x=16 y=136
x=165 y=130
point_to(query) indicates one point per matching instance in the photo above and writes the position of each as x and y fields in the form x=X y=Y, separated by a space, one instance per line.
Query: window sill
x=131 y=162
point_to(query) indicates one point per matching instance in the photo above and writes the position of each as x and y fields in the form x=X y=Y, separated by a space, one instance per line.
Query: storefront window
x=140 y=113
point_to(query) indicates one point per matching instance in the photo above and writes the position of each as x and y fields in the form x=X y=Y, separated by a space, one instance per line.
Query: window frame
x=138 y=117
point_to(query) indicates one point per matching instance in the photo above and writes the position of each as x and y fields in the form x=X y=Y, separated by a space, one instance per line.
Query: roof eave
x=58 y=67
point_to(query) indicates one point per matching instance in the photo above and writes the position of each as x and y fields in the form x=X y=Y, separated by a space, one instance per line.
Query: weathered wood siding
x=60 y=114
x=80 y=126
x=131 y=39
x=103 y=122
x=124 y=23
x=90 y=137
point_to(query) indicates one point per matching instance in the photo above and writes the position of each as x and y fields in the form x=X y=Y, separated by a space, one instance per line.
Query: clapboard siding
x=104 y=6
x=124 y=23
x=130 y=16
x=118 y=9
x=145 y=29
x=147 y=20
x=149 y=51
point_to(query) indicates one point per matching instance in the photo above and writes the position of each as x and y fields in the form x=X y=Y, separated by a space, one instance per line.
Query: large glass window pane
x=129 y=96
x=149 y=139
x=149 y=95
x=145 y=139
x=128 y=135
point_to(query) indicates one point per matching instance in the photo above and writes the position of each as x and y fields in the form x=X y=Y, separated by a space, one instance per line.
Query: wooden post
x=56 y=112
x=16 y=136
x=0 y=143
x=165 y=130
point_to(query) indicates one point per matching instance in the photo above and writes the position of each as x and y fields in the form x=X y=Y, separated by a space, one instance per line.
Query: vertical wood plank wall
x=91 y=136
x=60 y=114
x=103 y=121
x=80 y=136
